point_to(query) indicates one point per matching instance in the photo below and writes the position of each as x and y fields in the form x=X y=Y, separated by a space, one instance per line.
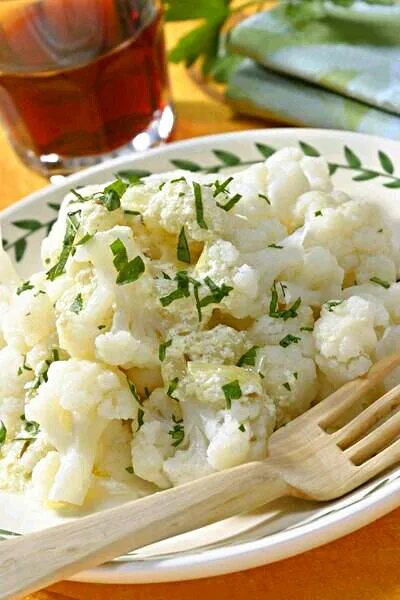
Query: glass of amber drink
x=82 y=80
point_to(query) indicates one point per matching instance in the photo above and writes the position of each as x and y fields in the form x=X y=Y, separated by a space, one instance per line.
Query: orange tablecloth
x=362 y=566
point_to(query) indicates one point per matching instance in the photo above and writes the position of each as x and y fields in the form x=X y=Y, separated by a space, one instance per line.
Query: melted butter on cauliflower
x=180 y=318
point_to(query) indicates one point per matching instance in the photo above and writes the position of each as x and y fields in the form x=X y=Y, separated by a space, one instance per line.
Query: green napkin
x=340 y=71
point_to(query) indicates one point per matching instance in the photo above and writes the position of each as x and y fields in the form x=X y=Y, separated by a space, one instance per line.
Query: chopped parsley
x=172 y=387
x=78 y=196
x=86 y=238
x=287 y=386
x=24 y=287
x=162 y=350
x=42 y=377
x=331 y=305
x=275 y=246
x=276 y=312
x=249 y=358
x=72 y=226
x=178 y=180
x=380 y=230
x=112 y=194
x=100 y=327
x=30 y=426
x=318 y=213
x=177 y=433
x=218 y=293
x=306 y=328
x=3 y=433
x=231 y=203
x=77 y=304
x=221 y=187
x=232 y=391
x=129 y=470
x=198 y=202
x=140 y=418
x=296 y=375
x=128 y=270
x=165 y=275
x=264 y=197
x=261 y=375
x=381 y=282
x=161 y=186
x=289 y=339
x=242 y=428
x=183 y=250
x=132 y=388
x=182 y=290
x=134 y=213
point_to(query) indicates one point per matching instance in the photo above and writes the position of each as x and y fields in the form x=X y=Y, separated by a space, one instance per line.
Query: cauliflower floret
x=289 y=378
x=346 y=336
x=219 y=345
x=311 y=204
x=14 y=375
x=221 y=263
x=73 y=408
x=93 y=217
x=351 y=232
x=388 y=296
x=30 y=320
x=271 y=331
x=381 y=267
x=291 y=174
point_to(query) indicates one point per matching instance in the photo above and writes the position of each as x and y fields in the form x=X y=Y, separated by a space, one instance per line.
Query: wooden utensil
x=304 y=461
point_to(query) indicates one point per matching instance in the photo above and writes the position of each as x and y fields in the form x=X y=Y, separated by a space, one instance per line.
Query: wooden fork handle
x=31 y=562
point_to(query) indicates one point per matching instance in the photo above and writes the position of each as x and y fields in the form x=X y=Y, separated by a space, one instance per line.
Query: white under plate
x=361 y=165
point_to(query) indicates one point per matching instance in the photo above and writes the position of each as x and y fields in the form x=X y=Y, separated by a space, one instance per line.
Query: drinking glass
x=82 y=80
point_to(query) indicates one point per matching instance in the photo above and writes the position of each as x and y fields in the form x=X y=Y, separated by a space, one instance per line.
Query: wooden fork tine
x=336 y=404
x=377 y=439
x=382 y=461
x=364 y=421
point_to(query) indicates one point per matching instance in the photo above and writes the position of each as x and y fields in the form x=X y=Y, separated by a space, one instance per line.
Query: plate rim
x=202 y=563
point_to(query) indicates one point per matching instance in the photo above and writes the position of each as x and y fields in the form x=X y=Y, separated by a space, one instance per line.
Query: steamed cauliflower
x=179 y=319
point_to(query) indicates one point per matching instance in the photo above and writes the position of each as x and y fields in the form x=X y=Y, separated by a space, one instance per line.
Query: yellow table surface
x=362 y=566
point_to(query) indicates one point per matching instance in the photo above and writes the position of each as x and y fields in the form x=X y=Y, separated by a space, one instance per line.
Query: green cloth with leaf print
x=339 y=69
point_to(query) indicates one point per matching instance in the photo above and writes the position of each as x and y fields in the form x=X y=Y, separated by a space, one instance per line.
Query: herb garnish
x=264 y=197
x=140 y=418
x=78 y=196
x=100 y=327
x=42 y=377
x=182 y=290
x=331 y=305
x=242 y=428
x=162 y=350
x=285 y=314
x=306 y=328
x=275 y=246
x=381 y=282
x=77 y=304
x=221 y=187
x=318 y=213
x=129 y=470
x=178 y=180
x=231 y=203
x=289 y=339
x=24 y=287
x=249 y=358
x=287 y=386
x=128 y=270
x=178 y=432
x=30 y=426
x=3 y=433
x=72 y=226
x=232 y=391
x=86 y=238
x=112 y=194
x=183 y=250
x=172 y=387
x=198 y=201
x=296 y=375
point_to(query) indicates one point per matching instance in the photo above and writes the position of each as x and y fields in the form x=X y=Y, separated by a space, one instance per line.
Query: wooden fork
x=304 y=461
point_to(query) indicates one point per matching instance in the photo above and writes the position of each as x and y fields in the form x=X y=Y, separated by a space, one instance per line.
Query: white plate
x=362 y=165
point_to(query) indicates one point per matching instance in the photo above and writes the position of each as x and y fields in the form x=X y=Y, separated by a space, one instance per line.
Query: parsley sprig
x=285 y=313
x=128 y=270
